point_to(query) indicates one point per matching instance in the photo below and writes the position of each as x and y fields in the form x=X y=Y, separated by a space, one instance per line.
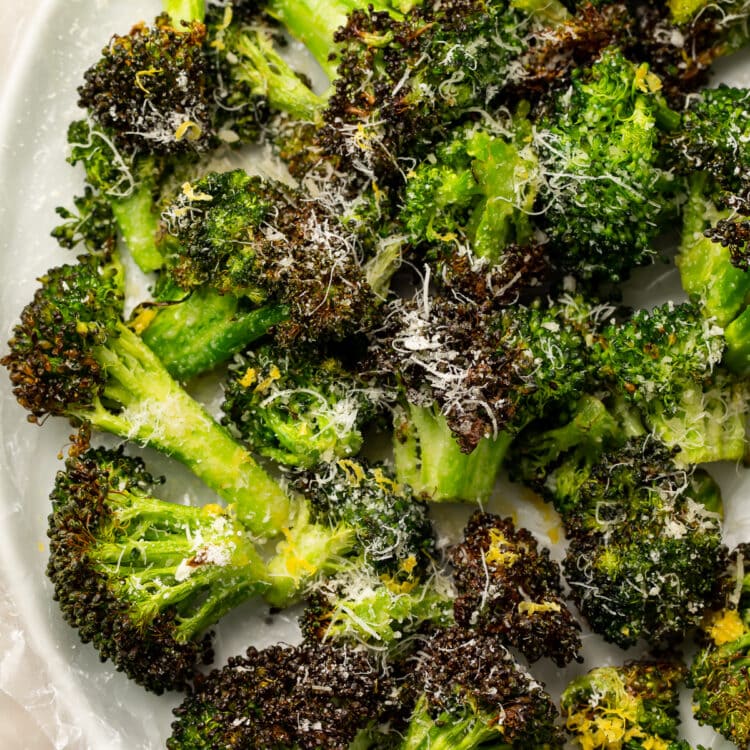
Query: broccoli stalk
x=185 y=10
x=71 y=355
x=140 y=577
x=198 y=332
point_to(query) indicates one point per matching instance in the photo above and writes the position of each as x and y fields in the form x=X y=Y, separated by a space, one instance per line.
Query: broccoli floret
x=635 y=706
x=468 y=691
x=257 y=238
x=477 y=192
x=608 y=189
x=308 y=697
x=720 y=672
x=142 y=578
x=355 y=515
x=91 y=224
x=472 y=377
x=645 y=542
x=665 y=362
x=509 y=587
x=197 y=332
x=71 y=355
x=298 y=408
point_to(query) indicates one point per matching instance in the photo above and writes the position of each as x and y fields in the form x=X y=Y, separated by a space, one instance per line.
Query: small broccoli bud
x=508 y=587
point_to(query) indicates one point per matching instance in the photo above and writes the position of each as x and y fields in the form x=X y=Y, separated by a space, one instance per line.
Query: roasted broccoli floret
x=468 y=692
x=471 y=376
x=665 y=362
x=308 y=697
x=298 y=408
x=507 y=586
x=354 y=515
x=635 y=706
x=608 y=188
x=90 y=223
x=645 y=542
x=720 y=672
x=71 y=355
x=142 y=578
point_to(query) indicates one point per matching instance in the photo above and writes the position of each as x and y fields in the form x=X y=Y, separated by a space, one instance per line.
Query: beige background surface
x=18 y=730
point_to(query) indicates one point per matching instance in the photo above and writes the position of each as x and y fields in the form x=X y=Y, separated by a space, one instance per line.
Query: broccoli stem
x=185 y=10
x=139 y=226
x=447 y=732
x=203 y=330
x=153 y=409
x=270 y=76
x=429 y=459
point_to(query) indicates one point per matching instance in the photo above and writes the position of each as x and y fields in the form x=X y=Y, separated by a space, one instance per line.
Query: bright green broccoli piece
x=720 y=672
x=298 y=408
x=141 y=578
x=608 y=187
x=634 y=706
x=71 y=355
x=477 y=192
x=468 y=692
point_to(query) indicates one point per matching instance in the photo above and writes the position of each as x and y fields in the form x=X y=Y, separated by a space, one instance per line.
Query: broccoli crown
x=401 y=77
x=486 y=370
x=468 y=690
x=713 y=137
x=606 y=191
x=645 y=548
x=151 y=89
x=297 y=408
x=52 y=361
x=139 y=577
x=507 y=586
x=720 y=672
x=635 y=706
x=307 y=697
x=255 y=237
x=658 y=354
x=392 y=527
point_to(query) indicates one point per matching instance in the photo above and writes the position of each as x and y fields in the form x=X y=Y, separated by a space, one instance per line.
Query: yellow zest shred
x=188 y=129
x=189 y=192
x=354 y=472
x=531 y=608
x=145 y=74
x=273 y=374
x=142 y=320
x=496 y=553
x=725 y=626
x=248 y=378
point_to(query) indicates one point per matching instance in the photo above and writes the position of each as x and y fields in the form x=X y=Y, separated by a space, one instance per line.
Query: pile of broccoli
x=425 y=297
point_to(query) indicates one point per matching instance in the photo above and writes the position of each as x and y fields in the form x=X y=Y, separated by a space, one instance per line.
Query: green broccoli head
x=635 y=706
x=607 y=189
x=306 y=697
x=468 y=690
x=297 y=408
x=509 y=587
x=151 y=89
x=720 y=672
x=90 y=223
x=141 y=578
x=645 y=543
x=477 y=192
x=258 y=238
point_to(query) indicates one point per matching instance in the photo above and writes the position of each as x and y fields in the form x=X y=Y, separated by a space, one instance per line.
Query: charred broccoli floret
x=720 y=672
x=633 y=706
x=297 y=408
x=471 y=377
x=308 y=697
x=71 y=355
x=141 y=578
x=507 y=586
x=468 y=692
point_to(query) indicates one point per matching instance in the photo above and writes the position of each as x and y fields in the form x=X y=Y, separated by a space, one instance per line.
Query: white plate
x=77 y=702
